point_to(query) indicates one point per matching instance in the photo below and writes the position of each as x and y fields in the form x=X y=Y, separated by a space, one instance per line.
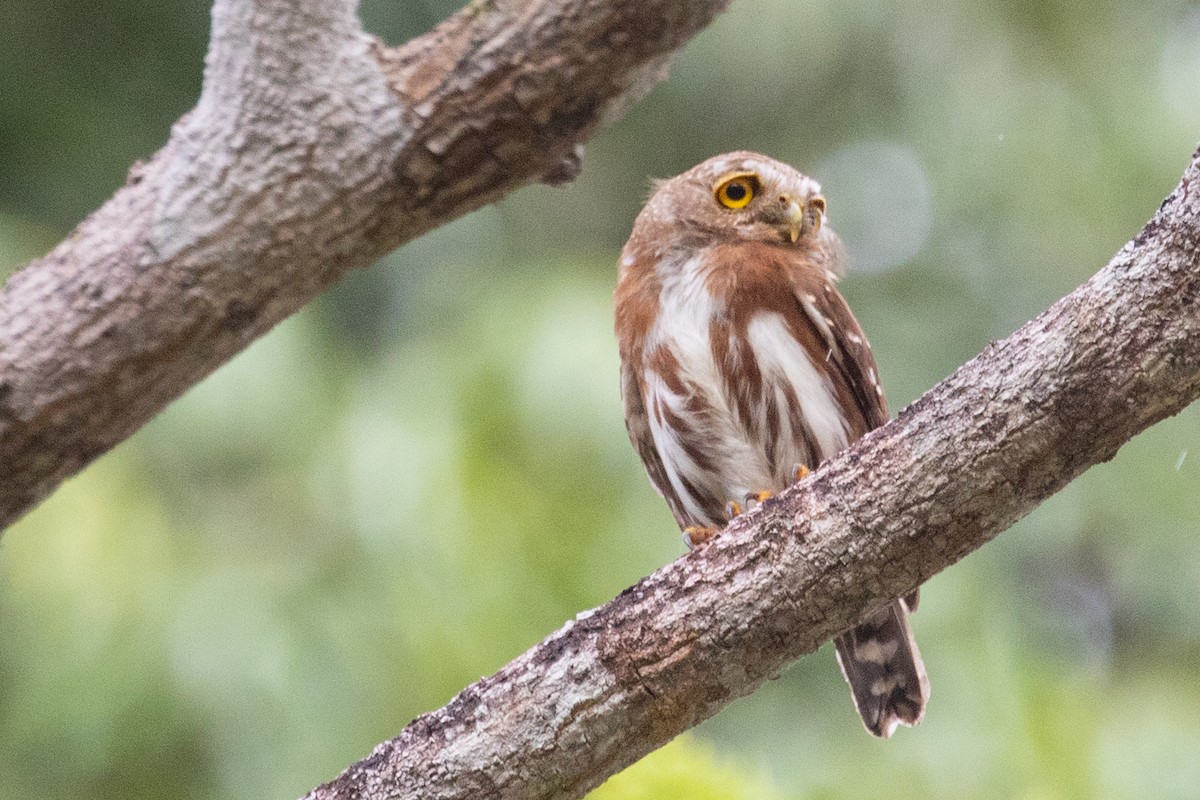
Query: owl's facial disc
x=814 y=214
x=772 y=203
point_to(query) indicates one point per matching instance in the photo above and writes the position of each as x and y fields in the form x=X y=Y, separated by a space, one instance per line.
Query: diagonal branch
x=961 y=464
x=313 y=150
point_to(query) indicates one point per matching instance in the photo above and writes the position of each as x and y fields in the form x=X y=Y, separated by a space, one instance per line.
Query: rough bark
x=961 y=464
x=312 y=150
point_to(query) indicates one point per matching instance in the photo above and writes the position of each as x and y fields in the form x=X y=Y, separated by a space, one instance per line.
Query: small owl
x=742 y=367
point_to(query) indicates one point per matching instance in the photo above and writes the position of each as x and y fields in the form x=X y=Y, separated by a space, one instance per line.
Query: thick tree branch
x=958 y=466
x=312 y=150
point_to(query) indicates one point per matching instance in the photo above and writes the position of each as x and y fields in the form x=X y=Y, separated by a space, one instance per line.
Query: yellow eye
x=737 y=190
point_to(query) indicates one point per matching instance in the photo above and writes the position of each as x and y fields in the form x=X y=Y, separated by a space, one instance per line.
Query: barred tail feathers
x=883 y=666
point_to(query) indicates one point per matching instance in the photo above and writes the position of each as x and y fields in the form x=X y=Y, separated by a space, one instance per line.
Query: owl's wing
x=879 y=658
x=637 y=423
x=855 y=366
x=847 y=356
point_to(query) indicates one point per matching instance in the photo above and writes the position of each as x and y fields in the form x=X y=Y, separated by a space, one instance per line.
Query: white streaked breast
x=683 y=326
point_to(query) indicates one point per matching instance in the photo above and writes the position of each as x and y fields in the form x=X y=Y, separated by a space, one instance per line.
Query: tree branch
x=313 y=150
x=961 y=464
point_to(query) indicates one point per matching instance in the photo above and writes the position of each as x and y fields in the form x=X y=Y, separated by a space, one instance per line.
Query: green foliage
x=686 y=769
x=420 y=476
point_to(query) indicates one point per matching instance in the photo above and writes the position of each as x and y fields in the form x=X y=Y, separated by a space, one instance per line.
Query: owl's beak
x=799 y=218
x=795 y=219
x=794 y=216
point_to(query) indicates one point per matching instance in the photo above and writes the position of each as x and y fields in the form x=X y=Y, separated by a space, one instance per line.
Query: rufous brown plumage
x=742 y=367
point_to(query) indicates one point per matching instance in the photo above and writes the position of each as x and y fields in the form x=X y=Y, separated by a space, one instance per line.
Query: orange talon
x=800 y=472
x=733 y=509
x=754 y=498
x=696 y=535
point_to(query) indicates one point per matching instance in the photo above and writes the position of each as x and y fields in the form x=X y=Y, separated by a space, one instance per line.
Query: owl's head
x=741 y=195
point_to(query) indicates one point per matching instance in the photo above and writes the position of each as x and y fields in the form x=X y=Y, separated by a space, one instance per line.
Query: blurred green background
x=425 y=472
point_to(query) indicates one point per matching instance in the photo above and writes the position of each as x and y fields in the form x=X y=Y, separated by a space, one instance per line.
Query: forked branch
x=312 y=150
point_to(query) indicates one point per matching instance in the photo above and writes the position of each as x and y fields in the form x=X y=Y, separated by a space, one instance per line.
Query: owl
x=742 y=367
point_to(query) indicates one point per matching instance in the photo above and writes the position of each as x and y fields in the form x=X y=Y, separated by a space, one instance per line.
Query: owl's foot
x=754 y=498
x=800 y=472
x=697 y=535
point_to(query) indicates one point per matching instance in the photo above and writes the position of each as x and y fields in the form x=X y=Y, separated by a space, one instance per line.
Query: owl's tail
x=883 y=666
